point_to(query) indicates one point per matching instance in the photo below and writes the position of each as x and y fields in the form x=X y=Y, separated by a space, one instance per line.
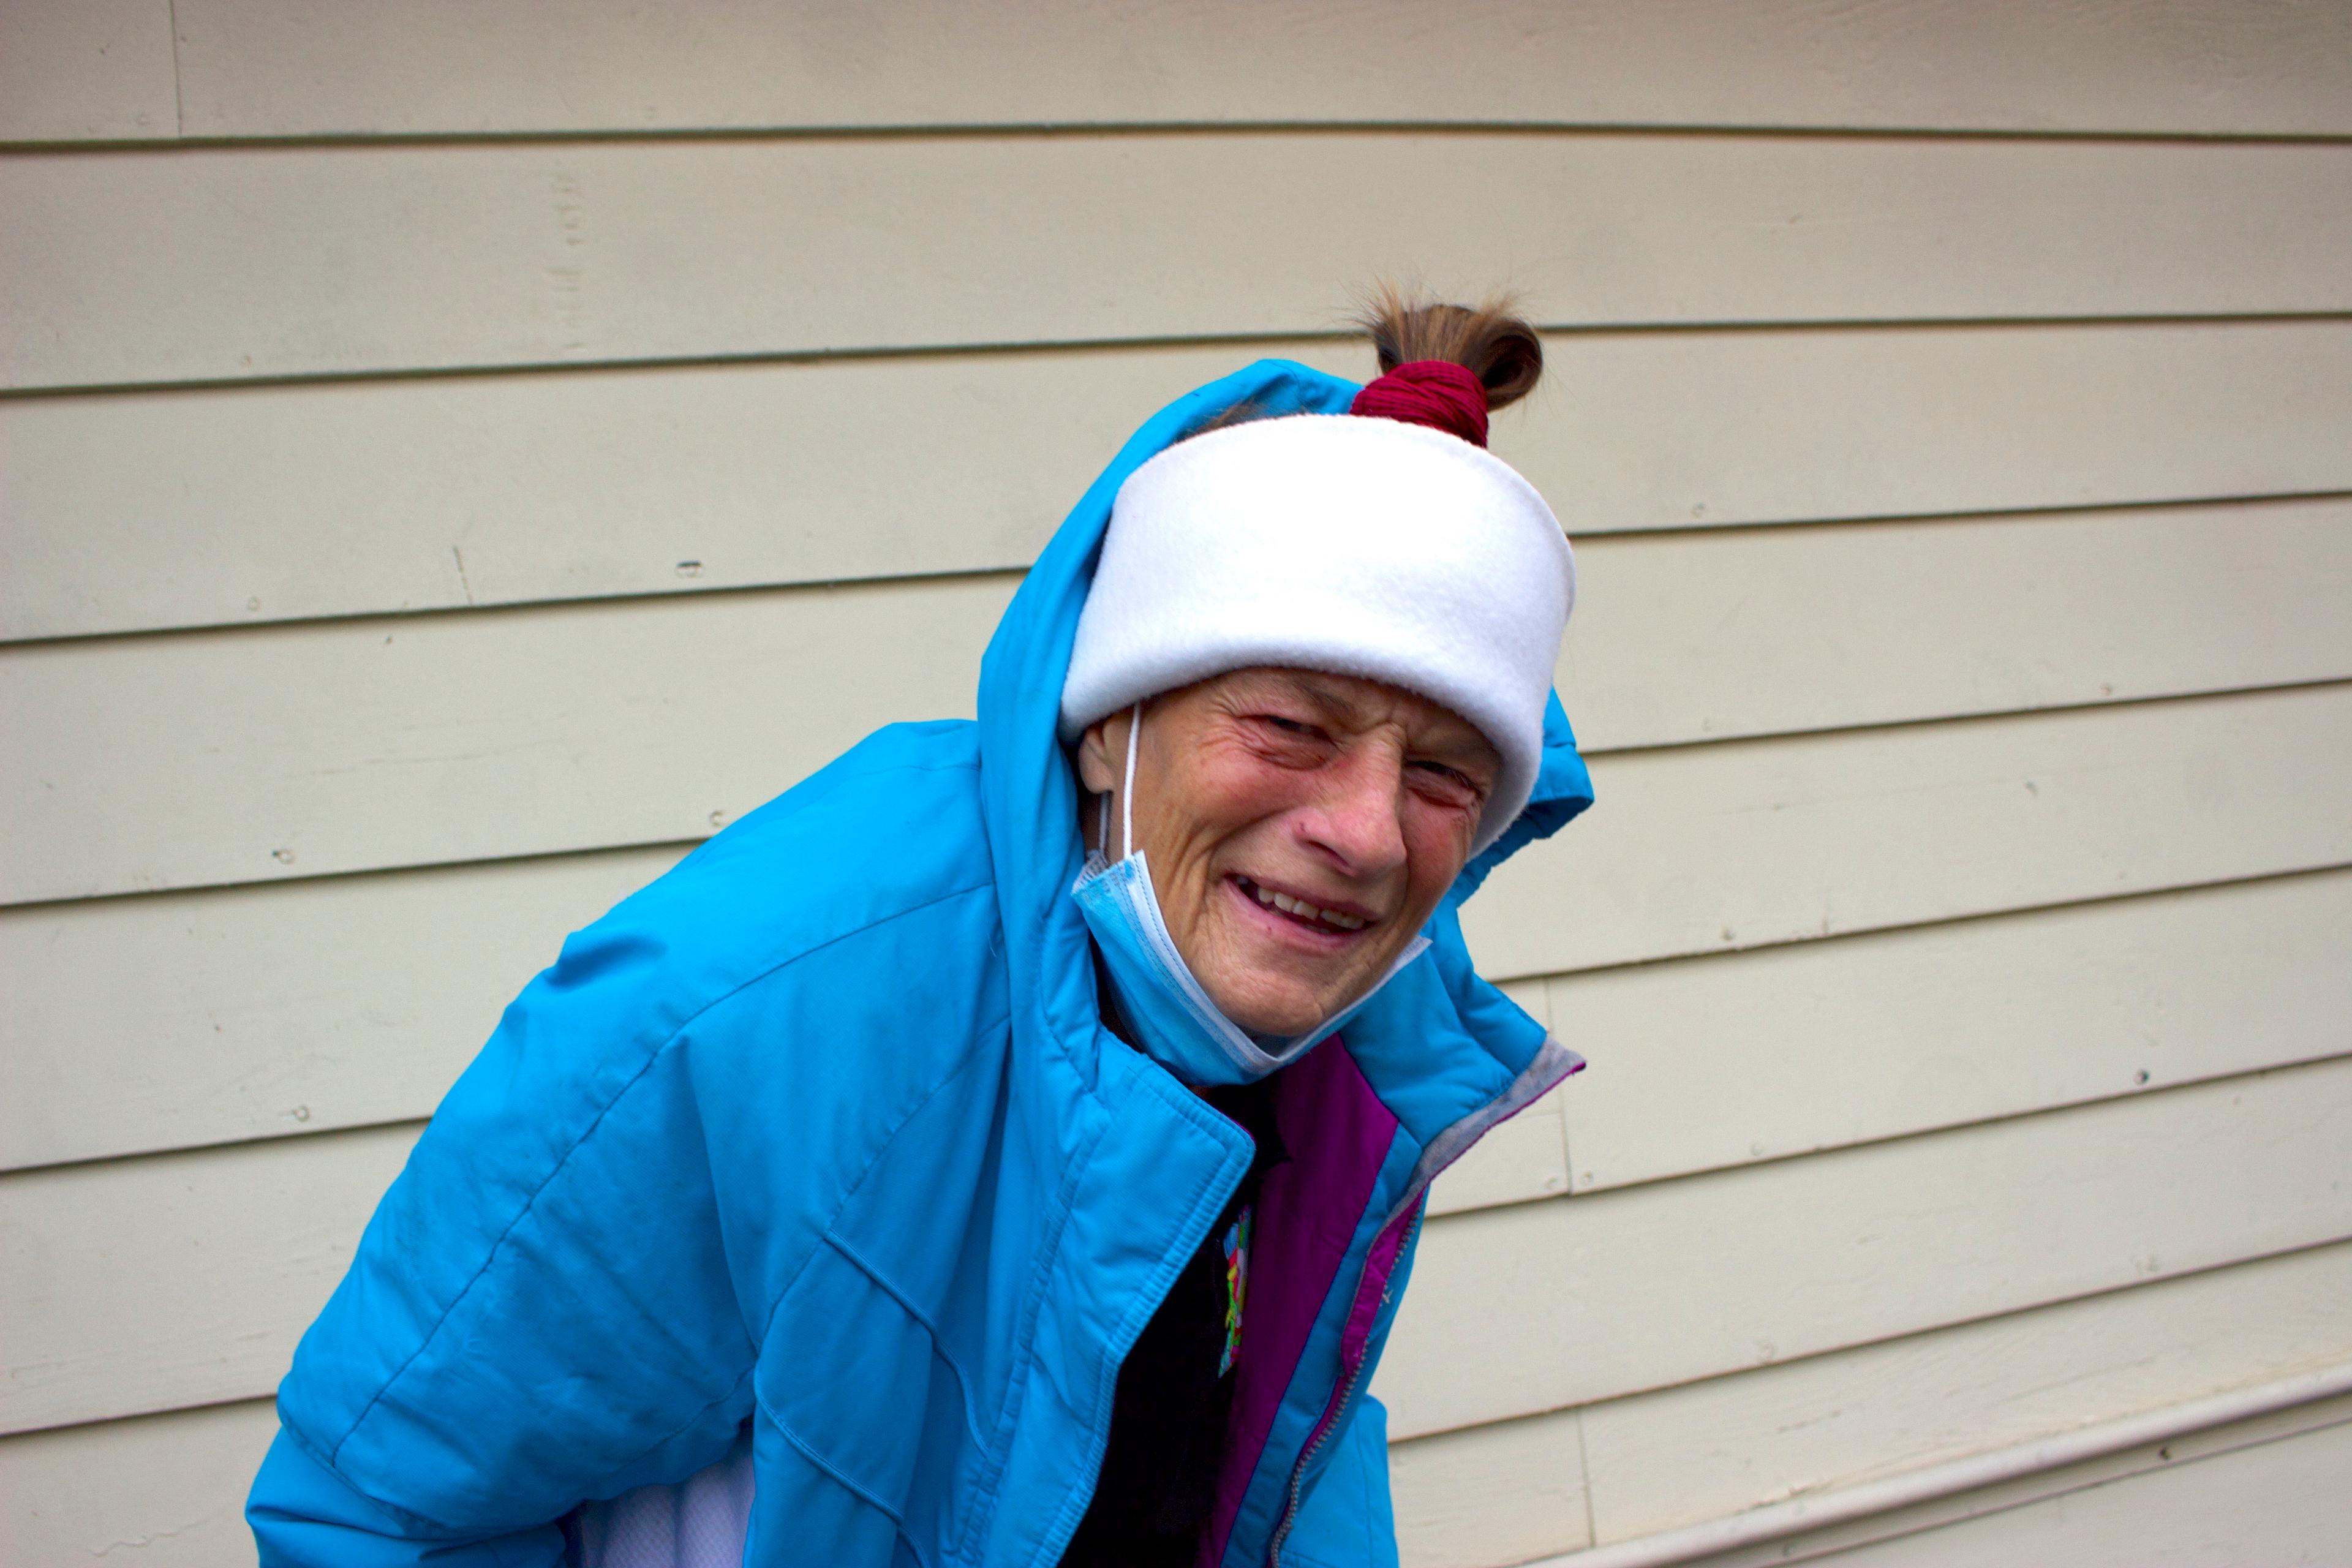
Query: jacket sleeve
x=303 y=1512
x=543 y=1308
x=1346 y=1519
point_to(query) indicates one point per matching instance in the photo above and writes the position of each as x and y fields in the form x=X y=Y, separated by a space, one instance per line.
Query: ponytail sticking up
x=1493 y=342
x=1447 y=365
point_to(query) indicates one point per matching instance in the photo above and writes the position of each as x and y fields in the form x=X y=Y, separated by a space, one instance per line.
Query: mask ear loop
x=1127 y=793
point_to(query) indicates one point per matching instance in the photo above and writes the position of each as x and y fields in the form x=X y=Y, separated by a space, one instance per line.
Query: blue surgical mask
x=1173 y=1020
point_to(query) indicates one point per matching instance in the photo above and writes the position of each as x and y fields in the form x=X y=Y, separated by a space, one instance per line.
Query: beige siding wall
x=1952 y=402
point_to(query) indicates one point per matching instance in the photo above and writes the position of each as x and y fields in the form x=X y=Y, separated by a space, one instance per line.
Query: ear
x=1095 y=771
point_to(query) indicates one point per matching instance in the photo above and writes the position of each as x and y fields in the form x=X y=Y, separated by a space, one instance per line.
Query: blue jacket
x=815 y=1154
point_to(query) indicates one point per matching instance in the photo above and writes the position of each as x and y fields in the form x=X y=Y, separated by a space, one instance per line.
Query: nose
x=1356 y=820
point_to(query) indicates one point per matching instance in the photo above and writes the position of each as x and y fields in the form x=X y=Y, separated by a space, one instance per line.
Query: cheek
x=1437 y=845
x=1226 y=801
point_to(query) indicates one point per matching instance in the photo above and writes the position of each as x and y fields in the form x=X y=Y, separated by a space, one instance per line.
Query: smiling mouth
x=1313 y=917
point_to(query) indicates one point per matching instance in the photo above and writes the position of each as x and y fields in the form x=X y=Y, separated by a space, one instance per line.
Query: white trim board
x=1650 y=1465
x=1922 y=1519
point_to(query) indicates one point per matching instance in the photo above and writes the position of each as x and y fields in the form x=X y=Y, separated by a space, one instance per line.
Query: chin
x=1283 y=1028
x=1263 y=1015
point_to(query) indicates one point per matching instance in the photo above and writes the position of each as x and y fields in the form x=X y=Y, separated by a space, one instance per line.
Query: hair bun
x=1493 y=342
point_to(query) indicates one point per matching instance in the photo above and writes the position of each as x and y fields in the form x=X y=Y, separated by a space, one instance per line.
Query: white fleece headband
x=1337 y=542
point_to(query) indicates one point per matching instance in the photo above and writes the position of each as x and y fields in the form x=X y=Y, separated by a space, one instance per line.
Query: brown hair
x=1493 y=342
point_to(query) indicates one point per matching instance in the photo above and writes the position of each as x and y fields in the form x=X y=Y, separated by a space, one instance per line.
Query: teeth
x=1304 y=910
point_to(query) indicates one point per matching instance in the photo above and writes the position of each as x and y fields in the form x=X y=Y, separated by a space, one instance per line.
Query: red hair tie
x=1432 y=392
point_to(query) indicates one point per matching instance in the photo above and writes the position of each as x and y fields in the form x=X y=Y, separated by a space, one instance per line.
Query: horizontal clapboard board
x=355 y=259
x=142 y=764
x=1824 y=834
x=95 y=70
x=1589 y=1298
x=269 y=68
x=175 y=1483
x=133 y=511
x=1722 y=1060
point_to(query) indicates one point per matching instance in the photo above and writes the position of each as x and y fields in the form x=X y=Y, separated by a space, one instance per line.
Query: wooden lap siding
x=479 y=463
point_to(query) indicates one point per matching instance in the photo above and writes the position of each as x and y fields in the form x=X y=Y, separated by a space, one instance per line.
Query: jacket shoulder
x=885 y=831
x=795 y=922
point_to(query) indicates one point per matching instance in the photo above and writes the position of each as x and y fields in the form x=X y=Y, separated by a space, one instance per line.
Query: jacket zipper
x=1339 y=1411
x=1355 y=1375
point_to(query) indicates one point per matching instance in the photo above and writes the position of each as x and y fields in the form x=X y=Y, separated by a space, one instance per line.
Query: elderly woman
x=1008 y=1146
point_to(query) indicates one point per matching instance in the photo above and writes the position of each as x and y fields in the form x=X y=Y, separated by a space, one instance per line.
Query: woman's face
x=1301 y=827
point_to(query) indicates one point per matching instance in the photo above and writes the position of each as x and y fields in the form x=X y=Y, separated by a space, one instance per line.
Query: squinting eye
x=1452 y=780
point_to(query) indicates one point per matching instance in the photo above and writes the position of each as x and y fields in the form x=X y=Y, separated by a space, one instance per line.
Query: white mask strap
x=1127 y=795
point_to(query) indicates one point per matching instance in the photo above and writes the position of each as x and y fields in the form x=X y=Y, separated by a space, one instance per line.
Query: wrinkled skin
x=1357 y=797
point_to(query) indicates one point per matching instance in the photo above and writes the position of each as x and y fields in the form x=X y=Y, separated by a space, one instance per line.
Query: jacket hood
x=1030 y=791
